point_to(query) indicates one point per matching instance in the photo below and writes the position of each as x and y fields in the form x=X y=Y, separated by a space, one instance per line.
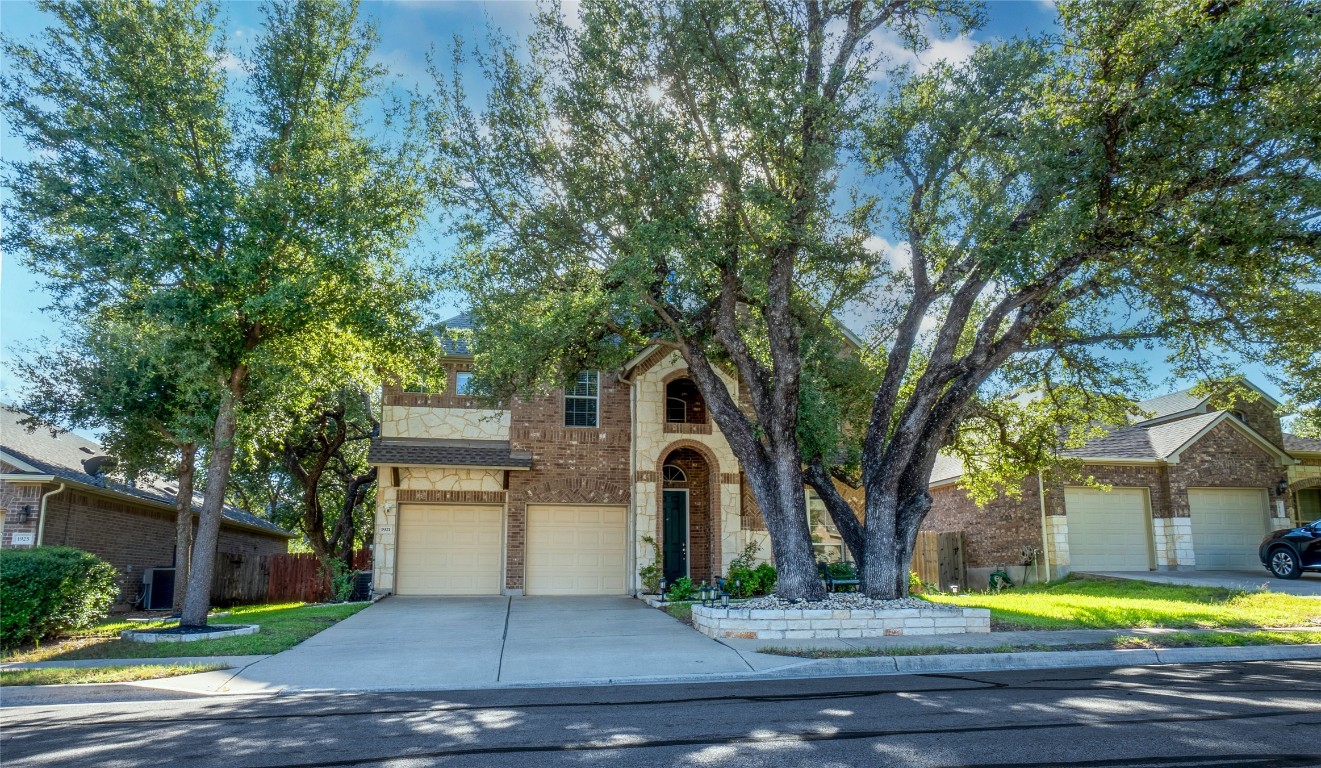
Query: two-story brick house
x=554 y=494
x=1196 y=483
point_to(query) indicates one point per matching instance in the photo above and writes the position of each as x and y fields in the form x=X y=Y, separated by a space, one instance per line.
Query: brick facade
x=994 y=535
x=129 y=535
x=570 y=465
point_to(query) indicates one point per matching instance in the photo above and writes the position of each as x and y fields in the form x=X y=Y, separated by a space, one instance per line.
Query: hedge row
x=49 y=591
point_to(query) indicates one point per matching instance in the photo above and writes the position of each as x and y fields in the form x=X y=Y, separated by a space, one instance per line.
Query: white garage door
x=1228 y=524
x=445 y=550
x=1108 y=529
x=575 y=550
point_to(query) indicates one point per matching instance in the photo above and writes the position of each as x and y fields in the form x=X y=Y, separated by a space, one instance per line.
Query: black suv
x=1288 y=553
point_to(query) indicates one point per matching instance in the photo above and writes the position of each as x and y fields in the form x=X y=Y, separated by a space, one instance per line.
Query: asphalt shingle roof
x=62 y=455
x=456 y=344
x=1141 y=441
x=1306 y=444
x=1174 y=402
x=447 y=453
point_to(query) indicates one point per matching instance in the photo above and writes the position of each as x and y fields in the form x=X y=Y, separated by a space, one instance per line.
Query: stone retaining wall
x=795 y=624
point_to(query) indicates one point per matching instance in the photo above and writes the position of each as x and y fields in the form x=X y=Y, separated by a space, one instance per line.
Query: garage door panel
x=449 y=550
x=1228 y=525
x=576 y=550
x=1108 y=530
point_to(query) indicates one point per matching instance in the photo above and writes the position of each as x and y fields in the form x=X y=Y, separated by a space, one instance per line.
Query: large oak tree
x=671 y=175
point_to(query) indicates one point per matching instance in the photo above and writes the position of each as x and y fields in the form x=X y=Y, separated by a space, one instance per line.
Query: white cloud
x=954 y=51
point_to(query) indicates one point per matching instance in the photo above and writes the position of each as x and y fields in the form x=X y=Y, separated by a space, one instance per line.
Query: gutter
x=41 y=517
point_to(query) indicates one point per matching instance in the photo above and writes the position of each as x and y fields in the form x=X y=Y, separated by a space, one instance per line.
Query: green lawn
x=80 y=675
x=1116 y=604
x=282 y=627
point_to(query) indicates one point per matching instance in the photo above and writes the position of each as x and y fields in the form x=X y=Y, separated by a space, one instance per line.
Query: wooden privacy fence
x=938 y=559
x=284 y=578
x=300 y=578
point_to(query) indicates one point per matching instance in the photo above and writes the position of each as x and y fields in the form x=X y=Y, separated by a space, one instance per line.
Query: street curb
x=811 y=668
x=888 y=665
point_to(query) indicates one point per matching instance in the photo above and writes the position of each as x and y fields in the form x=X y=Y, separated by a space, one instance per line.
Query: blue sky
x=409 y=29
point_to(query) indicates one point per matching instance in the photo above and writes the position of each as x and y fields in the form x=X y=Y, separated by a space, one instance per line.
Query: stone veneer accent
x=797 y=624
x=1057 y=544
x=1174 y=543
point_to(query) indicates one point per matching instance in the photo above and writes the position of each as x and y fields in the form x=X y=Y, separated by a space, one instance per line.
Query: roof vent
x=98 y=465
x=85 y=449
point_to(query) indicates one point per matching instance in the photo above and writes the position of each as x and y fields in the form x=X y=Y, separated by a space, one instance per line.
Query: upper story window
x=684 y=403
x=1239 y=415
x=582 y=401
x=463 y=383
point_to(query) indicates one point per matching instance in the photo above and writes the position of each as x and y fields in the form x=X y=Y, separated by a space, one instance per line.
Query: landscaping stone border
x=148 y=636
x=797 y=624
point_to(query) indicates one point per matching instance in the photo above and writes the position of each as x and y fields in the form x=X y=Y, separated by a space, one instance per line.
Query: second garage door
x=576 y=550
x=449 y=550
x=1108 y=529
x=1228 y=524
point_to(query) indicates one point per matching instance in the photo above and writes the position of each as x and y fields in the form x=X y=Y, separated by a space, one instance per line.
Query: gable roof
x=45 y=452
x=1183 y=402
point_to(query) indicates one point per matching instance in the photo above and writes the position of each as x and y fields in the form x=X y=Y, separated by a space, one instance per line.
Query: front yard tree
x=664 y=173
x=1151 y=176
x=140 y=393
x=265 y=231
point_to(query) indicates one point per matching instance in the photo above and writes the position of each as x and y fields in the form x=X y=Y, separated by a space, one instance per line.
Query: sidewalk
x=307 y=670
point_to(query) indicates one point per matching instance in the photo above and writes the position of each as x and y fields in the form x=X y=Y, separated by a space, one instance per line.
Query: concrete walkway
x=1248 y=581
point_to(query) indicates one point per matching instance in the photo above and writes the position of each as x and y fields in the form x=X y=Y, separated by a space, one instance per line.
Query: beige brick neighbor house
x=60 y=490
x=554 y=494
x=1190 y=486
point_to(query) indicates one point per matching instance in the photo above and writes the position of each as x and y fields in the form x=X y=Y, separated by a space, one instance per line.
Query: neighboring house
x=130 y=526
x=554 y=494
x=1188 y=486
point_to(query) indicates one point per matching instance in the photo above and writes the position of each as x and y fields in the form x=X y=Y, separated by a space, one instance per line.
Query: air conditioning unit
x=158 y=589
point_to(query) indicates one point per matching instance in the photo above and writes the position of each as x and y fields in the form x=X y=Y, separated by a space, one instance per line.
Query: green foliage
x=256 y=239
x=341 y=580
x=651 y=574
x=50 y=591
x=746 y=578
x=682 y=589
x=841 y=570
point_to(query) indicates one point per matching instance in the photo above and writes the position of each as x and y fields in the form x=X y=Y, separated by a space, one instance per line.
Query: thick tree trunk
x=890 y=534
x=197 y=600
x=183 y=522
x=779 y=493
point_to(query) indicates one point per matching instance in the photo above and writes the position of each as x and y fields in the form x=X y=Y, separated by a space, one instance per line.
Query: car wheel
x=1284 y=564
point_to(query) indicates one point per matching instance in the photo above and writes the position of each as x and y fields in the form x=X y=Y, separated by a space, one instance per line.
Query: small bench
x=833 y=584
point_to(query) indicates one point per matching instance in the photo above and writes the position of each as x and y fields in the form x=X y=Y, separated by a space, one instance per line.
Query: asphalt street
x=1246 y=715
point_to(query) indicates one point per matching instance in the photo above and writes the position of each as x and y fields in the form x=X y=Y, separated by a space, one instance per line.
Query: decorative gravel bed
x=837 y=601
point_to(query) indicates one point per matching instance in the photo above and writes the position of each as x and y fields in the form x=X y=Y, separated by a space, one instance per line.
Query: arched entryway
x=686 y=522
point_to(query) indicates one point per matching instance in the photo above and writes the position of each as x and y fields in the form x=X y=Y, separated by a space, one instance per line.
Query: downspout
x=631 y=529
x=1045 y=541
x=41 y=517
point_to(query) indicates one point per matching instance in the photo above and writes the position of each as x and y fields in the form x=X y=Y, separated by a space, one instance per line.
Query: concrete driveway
x=1249 y=581
x=416 y=643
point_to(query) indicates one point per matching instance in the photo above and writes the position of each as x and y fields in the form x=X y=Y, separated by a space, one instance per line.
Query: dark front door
x=675 y=532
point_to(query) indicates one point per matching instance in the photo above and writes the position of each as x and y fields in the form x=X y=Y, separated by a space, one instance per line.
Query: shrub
x=49 y=591
x=651 y=574
x=765 y=579
x=742 y=580
x=682 y=589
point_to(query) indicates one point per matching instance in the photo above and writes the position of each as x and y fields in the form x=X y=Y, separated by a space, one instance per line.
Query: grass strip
x=1079 y=603
x=1174 y=640
x=283 y=626
x=83 y=675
